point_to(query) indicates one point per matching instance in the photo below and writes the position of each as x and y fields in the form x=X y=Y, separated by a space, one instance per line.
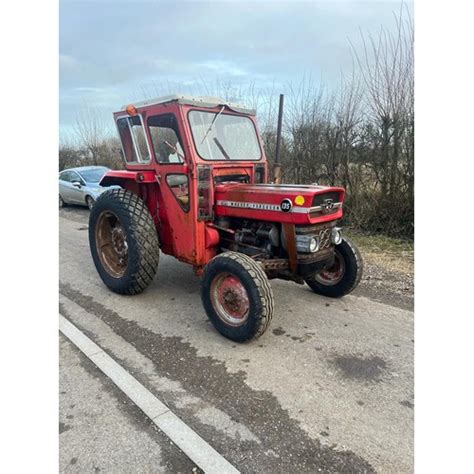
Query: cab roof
x=201 y=101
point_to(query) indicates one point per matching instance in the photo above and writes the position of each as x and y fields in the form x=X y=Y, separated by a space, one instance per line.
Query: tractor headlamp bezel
x=336 y=235
x=307 y=243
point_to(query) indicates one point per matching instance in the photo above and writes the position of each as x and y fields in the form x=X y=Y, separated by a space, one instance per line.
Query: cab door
x=175 y=206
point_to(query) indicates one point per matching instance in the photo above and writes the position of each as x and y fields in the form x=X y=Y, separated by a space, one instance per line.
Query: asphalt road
x=101 y=429
x=328 y=388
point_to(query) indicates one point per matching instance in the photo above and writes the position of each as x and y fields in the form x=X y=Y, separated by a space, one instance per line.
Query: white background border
x=444 y=281
x=29 y=235
x=444 y=338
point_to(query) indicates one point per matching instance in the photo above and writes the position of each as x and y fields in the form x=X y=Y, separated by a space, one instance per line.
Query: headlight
x=314 y=245
x=307 y=243
x=336 y=235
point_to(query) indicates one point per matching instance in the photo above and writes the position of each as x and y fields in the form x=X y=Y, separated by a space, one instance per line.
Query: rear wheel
x=237 y=296
x=123 y=241
x=61 y=202
x=344 y=276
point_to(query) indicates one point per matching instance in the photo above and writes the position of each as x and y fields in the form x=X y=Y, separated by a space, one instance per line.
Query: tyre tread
x=259 y=278
x=142 y=230
x=345 y=286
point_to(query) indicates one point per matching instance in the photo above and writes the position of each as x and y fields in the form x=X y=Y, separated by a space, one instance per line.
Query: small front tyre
x=123 y=241
x=344 y=276
x=237 y=296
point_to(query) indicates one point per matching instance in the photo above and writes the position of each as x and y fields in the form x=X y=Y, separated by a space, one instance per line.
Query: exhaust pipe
x=277 y=165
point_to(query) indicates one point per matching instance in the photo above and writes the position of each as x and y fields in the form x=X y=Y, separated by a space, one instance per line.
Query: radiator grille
x=324 y=238
x=320 y=198
x=322 y=231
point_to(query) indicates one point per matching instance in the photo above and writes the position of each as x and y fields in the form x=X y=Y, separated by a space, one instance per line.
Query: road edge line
x=192 y=445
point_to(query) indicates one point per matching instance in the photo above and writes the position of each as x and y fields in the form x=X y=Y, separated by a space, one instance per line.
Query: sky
x=114 y=52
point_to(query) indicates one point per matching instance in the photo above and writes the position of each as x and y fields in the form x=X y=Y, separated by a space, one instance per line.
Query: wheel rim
x=230 y=299
x=333 y=275
x=90 y=202
x=61 y=202
x=111 y=242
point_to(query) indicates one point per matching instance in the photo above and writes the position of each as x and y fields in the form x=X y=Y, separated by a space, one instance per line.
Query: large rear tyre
x=237 y=296
x=344 y=276
x=123 y=241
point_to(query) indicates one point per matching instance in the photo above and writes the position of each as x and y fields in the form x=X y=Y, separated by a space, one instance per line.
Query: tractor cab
x=182 y=148
x=185 y=133
x=196 y=186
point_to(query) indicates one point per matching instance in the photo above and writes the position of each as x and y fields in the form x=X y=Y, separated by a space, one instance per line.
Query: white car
x=81 y=185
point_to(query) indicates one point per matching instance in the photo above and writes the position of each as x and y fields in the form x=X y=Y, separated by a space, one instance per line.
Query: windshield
x=220 y=136
x=93 y=175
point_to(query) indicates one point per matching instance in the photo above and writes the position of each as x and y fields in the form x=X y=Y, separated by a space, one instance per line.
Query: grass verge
x=392 y=254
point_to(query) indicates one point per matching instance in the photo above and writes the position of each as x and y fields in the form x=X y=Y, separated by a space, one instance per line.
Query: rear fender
x=124 y=177
x=143 y=183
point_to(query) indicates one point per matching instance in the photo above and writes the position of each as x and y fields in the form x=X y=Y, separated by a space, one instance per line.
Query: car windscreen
x=220 y=136
x=94 y=175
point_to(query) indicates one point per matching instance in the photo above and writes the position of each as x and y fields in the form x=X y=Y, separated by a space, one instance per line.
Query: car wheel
x=61 y=202
x=90 y=201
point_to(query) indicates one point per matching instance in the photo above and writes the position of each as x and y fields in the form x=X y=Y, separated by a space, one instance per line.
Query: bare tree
x=91 y=131
x=387 y=69
x=359 y=135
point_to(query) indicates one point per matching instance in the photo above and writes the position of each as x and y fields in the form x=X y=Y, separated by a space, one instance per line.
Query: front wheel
x=237 y=296
x=344 y=276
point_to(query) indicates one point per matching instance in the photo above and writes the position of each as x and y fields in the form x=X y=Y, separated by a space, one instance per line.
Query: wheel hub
x=332 y=275
x=119 y=241
x=111 y=242
x=230 y=299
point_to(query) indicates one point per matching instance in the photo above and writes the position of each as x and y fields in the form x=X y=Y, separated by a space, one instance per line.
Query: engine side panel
x=279 y=203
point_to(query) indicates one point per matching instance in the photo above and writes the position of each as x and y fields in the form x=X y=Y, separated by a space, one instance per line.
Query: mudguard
x=119 y=177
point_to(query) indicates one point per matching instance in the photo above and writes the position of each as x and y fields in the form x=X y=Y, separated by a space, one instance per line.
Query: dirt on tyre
x=344 y=276
x=123 y=241
x=237 y=296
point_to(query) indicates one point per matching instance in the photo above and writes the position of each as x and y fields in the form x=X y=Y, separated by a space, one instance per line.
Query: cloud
x=66 y=61
x=113 y=52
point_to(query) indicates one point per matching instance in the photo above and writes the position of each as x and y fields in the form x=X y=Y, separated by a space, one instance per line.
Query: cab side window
x=133 y=138
x=165 y=138
x=179 y=185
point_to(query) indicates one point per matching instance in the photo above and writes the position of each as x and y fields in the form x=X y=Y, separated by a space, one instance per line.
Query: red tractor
x=196 y=187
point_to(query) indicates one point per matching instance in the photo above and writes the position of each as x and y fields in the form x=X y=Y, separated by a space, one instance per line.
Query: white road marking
x=198 y=450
